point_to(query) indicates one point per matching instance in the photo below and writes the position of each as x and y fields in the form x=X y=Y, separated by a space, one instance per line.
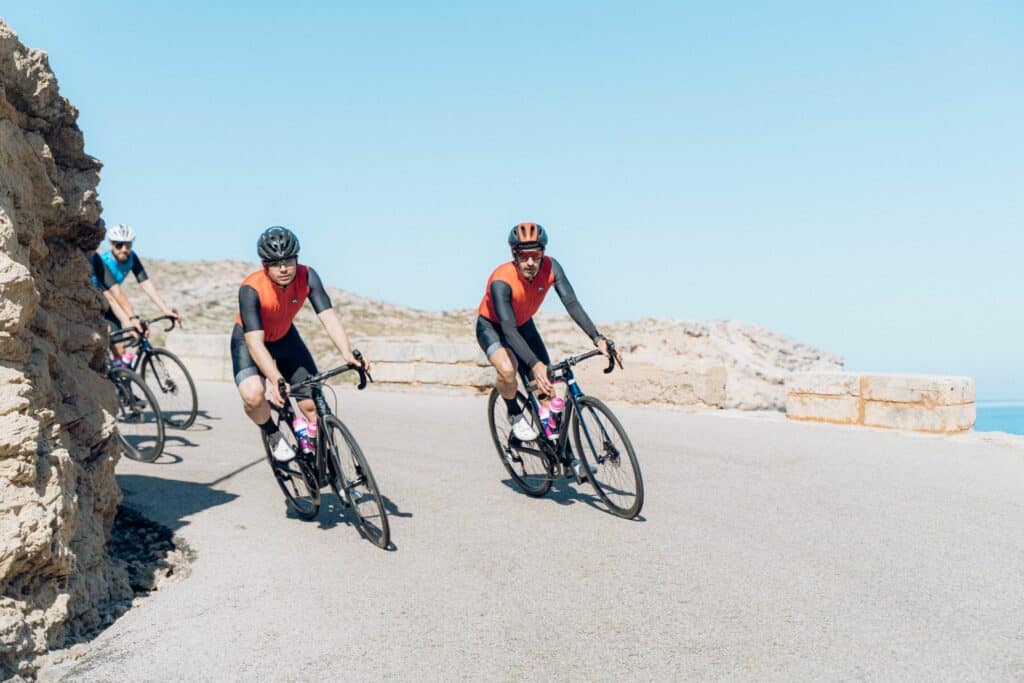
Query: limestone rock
x=58 y=495
x=923 y=403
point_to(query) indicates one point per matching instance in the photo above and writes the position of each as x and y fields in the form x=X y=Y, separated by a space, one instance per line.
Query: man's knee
x=252 y=392
x=506 y=368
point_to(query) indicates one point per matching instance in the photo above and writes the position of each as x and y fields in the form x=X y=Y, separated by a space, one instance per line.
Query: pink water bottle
x=311 y=435
x=557 y=405
x=301 y=427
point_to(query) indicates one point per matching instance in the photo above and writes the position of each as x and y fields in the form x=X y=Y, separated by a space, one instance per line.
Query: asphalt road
x=766 y=550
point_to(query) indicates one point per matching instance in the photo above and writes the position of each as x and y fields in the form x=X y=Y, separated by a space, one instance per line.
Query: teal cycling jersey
x=107 y=271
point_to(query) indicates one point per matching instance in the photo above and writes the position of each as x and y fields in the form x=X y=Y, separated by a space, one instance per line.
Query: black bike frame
x=562 y=372
x=145 y=348
x=322 y=410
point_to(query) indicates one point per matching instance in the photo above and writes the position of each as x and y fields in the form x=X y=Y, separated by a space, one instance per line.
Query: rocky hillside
x=58 y=496
x=750 y=362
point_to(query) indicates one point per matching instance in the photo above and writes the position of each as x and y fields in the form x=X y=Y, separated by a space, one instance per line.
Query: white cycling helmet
x=121 y=233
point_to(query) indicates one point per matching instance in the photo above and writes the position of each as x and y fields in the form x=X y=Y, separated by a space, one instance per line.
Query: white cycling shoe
x=279 y=448
x=521 y=427
x=580 y=471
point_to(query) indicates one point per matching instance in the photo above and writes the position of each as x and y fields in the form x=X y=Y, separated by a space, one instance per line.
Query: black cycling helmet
x=277 y=243
x=528 y=236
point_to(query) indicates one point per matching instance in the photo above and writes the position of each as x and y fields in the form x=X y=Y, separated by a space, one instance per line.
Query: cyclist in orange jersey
x=505 y=329
x=265 y=344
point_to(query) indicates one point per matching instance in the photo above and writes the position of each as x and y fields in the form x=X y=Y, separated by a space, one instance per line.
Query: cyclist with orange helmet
x=505 y=329
x=265 y=344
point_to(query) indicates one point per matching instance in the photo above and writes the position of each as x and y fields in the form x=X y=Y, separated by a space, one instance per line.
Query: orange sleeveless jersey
x=278 y=307
x=527 y=296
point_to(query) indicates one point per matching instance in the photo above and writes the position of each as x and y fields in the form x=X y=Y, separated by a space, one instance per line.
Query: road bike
x=600 y=453
x=166 y=375
x=336 y=460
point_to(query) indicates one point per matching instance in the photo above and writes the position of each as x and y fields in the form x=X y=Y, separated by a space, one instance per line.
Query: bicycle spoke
x=530 y=468
x=602 y=442
x=168 y=378
x=353 y=482
x=295 y=478
x=139 y=424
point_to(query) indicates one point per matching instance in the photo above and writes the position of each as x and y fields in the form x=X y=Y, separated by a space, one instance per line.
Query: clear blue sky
x=849 y=174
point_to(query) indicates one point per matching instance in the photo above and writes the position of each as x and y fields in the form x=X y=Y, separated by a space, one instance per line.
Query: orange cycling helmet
x=528 y=235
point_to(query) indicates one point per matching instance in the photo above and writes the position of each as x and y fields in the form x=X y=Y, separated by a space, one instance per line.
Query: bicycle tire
x=140 y=426
x=351 y=478
x=178 y=399
x=295 y=478
x=612 y=474
x=535 y=469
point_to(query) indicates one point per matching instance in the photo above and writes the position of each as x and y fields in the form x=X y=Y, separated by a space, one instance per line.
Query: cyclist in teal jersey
x=110 y=269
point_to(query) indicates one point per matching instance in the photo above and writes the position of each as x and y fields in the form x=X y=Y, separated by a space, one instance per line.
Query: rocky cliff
x=58 y=496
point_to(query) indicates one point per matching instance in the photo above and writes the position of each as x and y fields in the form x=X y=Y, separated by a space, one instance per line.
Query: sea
x=1000 y=416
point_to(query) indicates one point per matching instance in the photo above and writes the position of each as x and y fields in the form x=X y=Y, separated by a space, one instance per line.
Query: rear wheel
x=530 y=468
x=601 y=442
x=140 y=428
x=352 y=480
x=295 y=477
x=170 y=380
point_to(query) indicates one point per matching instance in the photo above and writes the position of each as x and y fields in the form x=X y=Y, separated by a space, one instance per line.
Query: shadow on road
x=565 y=491
x=333 y=513
x=177 y=439
x=169 y=501
x=174 y=440
x=203 y=420
x=392 y=509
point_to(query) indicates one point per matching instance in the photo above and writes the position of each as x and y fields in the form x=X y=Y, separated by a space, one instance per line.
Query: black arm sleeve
x=249 y=307
x=100 y=273
x=138 y=270
x=572 y=306
x=317 y=294
x=501 y=297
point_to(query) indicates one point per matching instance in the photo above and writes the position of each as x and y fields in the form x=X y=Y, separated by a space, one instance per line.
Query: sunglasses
x=120 y=245
x=527 y=254
x=281 y=263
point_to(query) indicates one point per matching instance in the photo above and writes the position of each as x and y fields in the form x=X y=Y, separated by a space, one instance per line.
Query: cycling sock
x=513 y=407
x=269 y=427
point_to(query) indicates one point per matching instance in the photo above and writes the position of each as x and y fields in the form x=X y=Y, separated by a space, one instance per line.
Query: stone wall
x=461 y=365
x=914 y=402
x=207 y=356
x=58 y=496
x=455 y=364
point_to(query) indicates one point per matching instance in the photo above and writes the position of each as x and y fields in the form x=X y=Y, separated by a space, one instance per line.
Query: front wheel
x=531 y=469
x=169 y=379
x=140 y=429
x=601 y=442
x=352 y=480
x=295 y=477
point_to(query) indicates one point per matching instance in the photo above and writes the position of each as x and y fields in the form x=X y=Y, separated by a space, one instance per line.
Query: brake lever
x=612 y=358
x=363 y=374
x=282 y=388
